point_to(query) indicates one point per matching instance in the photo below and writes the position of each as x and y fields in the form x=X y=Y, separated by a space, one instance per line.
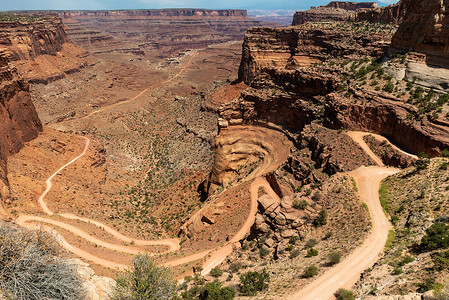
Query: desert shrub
x=321 y=219
x=342 y=294
x=423 y=161
x=216 y=272
x=437 y=237
x=145 y=280
x=334 y=257
x=445 y=153
x=300 y=204
x=214 y=291
x=294 y=253
x=34 y=266
x=293 y=240
x=310 y=271
x=253 y=282
x=312 y=252
x=389 y=87
x=310 y=243
x=427 y=285
x=264 y=252
x=235 y=266
x=441 y=261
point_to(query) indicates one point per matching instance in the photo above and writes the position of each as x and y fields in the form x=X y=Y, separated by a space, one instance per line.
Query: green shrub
x=253 y=282
x=389 y=87
x=293 y=240
x=145 y=280
x=214 y=291
x=334 y=257
x=310 y=243
x=235 y=266
x=441 y=261
x=310 y=271
x=34 y=266
x=300 y=204
x=264 y=252
x=427 y=285
x=321 y=219
x=312 y=252
x=437 y=237
x=294 y=253
x=216 y=272
x=342 y=294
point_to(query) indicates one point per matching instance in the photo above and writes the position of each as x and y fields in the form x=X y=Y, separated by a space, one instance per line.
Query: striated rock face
x=166 y=13
x=425 y=30
x=271 y=52
x=19 y=122
x=388 y=118
x=168 y=31
x=393 y=14
x=335 y=11
x=40 y=48
x=289 y=91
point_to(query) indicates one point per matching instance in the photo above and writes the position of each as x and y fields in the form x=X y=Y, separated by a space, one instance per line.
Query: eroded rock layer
x=335 y=11
x=425 y=30
x=394 y=13
x=19 y=122
x=40 y=48
x=167 y=30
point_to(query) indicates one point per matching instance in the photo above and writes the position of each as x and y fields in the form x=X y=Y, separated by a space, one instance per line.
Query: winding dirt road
x=346 y=273
x=214 y=256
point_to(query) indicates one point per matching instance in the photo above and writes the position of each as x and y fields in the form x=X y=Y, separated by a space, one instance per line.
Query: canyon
x=125 y=135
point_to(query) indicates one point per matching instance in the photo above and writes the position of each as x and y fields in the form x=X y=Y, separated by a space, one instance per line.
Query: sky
x=152 y=4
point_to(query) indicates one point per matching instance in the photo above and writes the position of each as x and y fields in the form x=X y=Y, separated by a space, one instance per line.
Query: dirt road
x=346 y=273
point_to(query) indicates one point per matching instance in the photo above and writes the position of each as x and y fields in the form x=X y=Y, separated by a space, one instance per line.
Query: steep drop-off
x=19 y=122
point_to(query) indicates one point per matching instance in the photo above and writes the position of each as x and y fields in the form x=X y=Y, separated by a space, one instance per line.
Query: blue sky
x=148 y=4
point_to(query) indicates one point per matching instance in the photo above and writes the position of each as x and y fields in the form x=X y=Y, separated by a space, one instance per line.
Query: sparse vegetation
x=343 y=294
x=310 y=271
x=253 y=282
x=34 y=266
x=334 y=257
x=145 y=280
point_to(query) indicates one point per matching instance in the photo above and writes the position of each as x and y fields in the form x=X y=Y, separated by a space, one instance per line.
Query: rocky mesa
x=39 y=48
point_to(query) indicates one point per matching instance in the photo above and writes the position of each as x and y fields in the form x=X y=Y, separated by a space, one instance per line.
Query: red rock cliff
x=39 y=48
x=425 y=29
x=168 y=13
x=19 y=121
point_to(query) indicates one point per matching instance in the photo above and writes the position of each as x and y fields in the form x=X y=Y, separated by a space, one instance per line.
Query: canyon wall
x=289 y=89
x=425 y=30
x=164 y=32
x=39 y=48
x=19 y=121
x=393 y=14
x=273 y=51
x=334 y=11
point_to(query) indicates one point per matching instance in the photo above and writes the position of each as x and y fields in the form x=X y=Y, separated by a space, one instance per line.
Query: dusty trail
x=346 y=273
x=216 y=256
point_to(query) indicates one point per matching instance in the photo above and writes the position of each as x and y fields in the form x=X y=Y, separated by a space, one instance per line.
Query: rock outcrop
x=39 y=47
x=334 y=11
x=281 y=52
x=393 y=14
x=425 y=30
x=19 y=121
